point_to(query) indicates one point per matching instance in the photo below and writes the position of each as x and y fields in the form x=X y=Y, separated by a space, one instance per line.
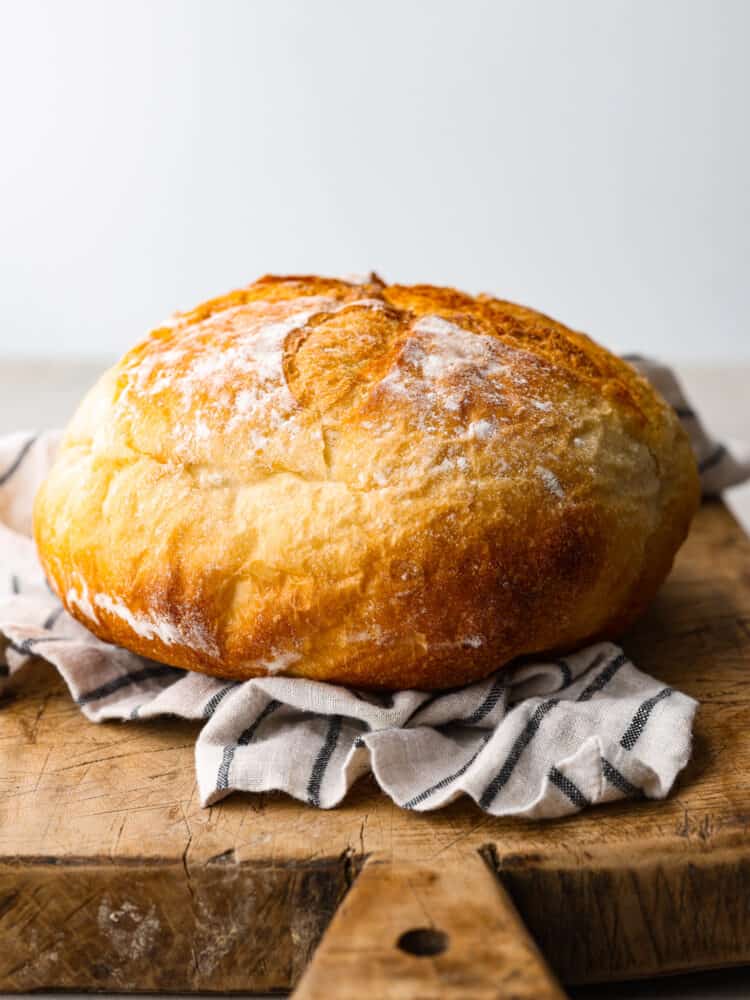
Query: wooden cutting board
x=113 y=878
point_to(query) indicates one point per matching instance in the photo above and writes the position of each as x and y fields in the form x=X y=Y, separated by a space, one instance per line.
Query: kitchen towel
x=538 y=740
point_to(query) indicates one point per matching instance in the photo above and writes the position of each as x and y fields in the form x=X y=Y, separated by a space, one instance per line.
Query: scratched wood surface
x=403 y=931
x=113 y=878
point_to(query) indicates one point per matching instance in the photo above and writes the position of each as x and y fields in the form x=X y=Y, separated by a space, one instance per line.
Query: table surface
x=36 y=394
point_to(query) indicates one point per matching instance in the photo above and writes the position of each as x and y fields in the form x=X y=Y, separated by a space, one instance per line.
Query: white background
x=589 y=158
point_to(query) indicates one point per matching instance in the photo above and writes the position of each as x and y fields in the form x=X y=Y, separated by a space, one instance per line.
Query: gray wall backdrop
x=589 y=158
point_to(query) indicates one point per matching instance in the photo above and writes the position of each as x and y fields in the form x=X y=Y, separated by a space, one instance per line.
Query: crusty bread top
x=373 y=483
x=337 y=341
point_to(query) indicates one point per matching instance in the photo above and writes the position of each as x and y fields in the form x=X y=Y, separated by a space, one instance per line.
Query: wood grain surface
x=404 y=931
x=113 y=878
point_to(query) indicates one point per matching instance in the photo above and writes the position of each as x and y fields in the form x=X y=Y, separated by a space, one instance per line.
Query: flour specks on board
x=131 y=932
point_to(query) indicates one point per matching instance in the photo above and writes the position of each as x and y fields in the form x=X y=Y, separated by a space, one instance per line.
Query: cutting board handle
x=443 y=929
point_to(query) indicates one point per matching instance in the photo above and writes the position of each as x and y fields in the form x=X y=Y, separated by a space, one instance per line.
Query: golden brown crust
x=370 y=484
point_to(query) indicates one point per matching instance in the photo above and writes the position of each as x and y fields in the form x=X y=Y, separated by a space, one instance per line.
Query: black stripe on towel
x=9 y=644
x=569 y=789
x=449 y=779
x=522 y=741
x=603 y=677
x=322 y=760
x=636 y=727
x=713 y=459
x=245 y=737
x=618 y=779
x=489 y=703
x=26 y=645
x=567 y=675
x=147 y=674
x=222 y=778
x=213 y=702
x=12 y=468
x=52 y=617
x=15 y=584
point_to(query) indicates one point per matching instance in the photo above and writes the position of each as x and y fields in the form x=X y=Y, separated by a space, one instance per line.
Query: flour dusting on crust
x=442 y=367
x=277 y=663
x=78 y=597
x=551 y=481
x=154 y=626
x=235 y=359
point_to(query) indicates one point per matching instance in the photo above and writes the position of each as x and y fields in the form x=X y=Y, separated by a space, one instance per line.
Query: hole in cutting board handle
x=423 y=942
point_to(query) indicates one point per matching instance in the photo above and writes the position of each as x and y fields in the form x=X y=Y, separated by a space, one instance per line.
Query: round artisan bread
x=371 y=484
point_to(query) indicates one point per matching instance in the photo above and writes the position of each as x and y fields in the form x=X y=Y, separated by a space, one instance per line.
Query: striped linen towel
x=540 y=740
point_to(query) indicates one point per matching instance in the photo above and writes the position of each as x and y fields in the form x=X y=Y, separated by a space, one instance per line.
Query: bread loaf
x=369 y=484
